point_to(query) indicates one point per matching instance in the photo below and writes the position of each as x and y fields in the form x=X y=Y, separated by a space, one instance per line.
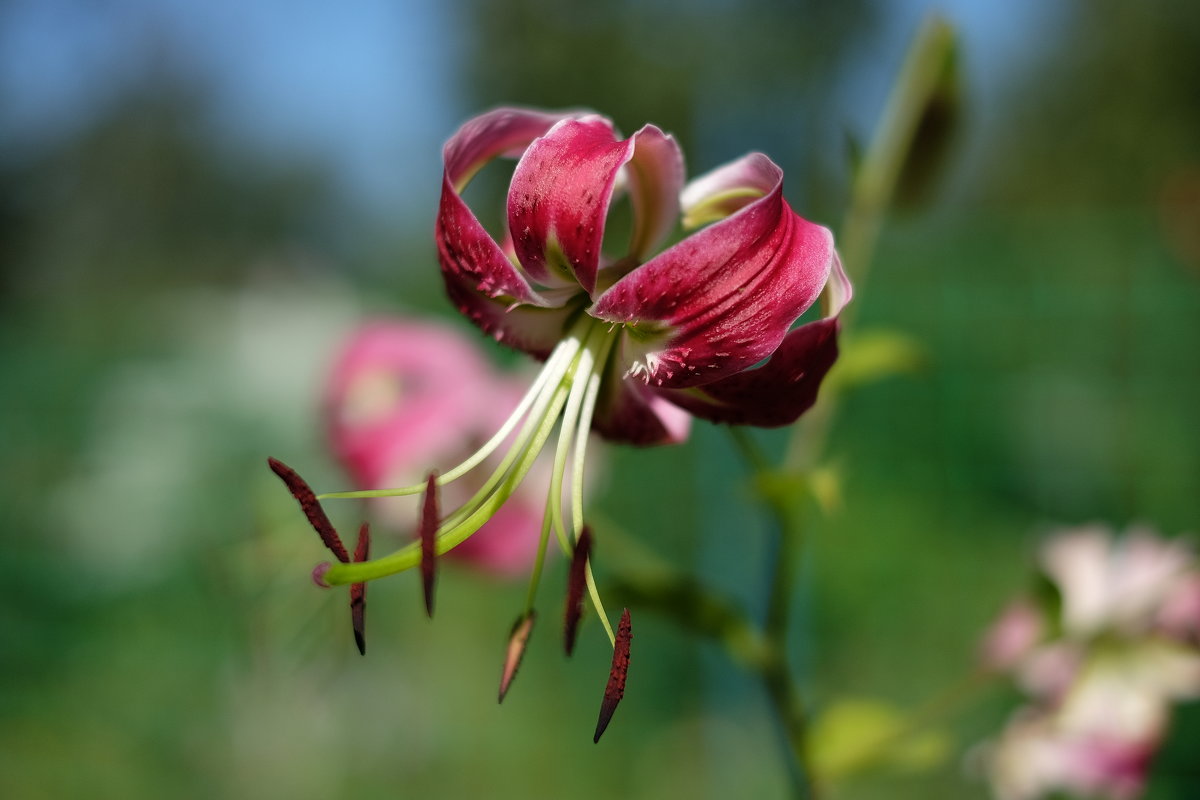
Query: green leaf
x=854 y=735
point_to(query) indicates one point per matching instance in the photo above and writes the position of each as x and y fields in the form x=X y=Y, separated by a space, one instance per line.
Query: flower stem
x=775 y=669
x=874 y=186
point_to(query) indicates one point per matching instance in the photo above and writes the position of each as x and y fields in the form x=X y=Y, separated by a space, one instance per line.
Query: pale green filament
x=590 y=367
x=539 y=411
x=570 y=415
x=585 y=426
x=581 y=441
x=535 y=577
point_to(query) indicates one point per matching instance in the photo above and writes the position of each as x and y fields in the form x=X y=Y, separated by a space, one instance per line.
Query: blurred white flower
x=1114 y=583
x=167 y=426
x=1103 y=668
x=1035 y=757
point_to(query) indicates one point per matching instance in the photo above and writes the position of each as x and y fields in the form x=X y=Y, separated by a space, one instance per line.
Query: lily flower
x=634 y=343
x=677 y=330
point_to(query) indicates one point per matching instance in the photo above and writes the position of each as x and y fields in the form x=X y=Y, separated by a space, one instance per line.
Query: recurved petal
x=500 y=132
x=726 y=189
x=655 y=173
x=472 y=258
x=559 y=198
x=786 y=386
x=722 y=299
x=776 y=393
x=466 y=252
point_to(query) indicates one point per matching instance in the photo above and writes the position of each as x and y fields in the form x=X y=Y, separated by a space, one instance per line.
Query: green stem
x=872 y=192
x=775 y=669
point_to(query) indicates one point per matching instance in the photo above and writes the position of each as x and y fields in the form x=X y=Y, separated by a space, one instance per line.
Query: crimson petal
x=529 y=328
x=559 y=199
x=776 y=393
x=655 y=173
x=477 y=271
x=629 y=412
x=722 y=299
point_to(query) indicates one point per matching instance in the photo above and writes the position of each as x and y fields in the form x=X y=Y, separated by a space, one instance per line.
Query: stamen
x=517 y=639
x=575 y=583
x=535 y=575
x=615 y=689
x=358 y=591
x=429 y=526
x=581 y=441
x=311 y=508
x=583 y=372
x=581 y=436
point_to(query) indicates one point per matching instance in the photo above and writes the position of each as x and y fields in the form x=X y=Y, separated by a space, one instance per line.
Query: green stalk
x=872 y=192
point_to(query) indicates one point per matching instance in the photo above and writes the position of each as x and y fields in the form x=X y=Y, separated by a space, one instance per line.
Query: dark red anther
x=311 y=508
x=615 y=689
x=358 y=591
x=576 y=581
x=517 y=640
x=428 y=530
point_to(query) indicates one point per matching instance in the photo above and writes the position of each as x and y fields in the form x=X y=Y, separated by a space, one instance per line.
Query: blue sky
x=369 y=87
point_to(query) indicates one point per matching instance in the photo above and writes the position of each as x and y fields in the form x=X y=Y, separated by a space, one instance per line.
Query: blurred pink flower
x=1179 y=614
x=1012 y=636
x=1034 y=757
x=403 y=395
x=1104 y=667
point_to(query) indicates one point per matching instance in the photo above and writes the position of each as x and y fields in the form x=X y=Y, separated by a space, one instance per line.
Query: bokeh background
x=199 y=200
